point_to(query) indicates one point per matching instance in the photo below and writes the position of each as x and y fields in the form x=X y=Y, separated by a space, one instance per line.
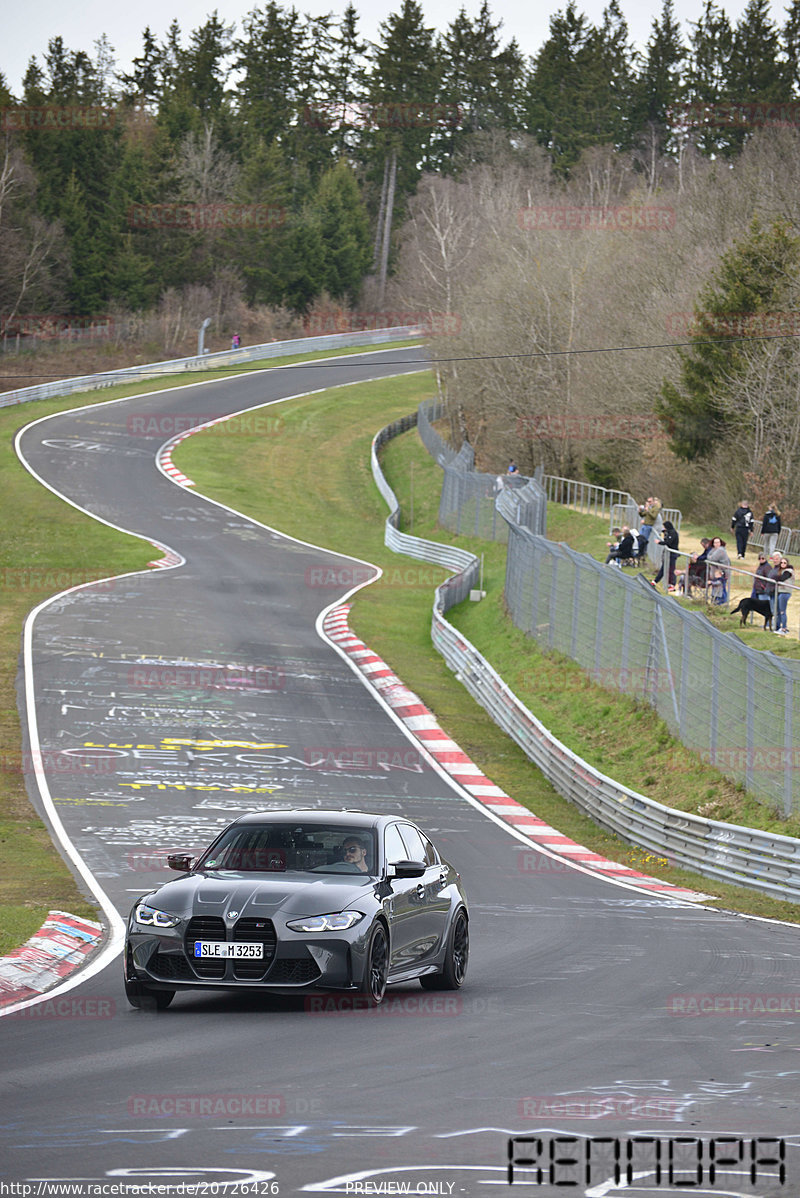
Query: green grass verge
x=48 y=546
x=333 y=502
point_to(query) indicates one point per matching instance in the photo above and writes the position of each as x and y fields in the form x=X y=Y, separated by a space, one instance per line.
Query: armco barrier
x=229 y=357
x=763 y=861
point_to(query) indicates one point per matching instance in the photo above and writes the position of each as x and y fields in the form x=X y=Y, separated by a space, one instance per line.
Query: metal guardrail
x=763 y=861
x=618 y=506
x=229 y=357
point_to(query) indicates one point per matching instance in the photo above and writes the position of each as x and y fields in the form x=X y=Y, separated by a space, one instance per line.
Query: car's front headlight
x=338 y=922
x=151 y=918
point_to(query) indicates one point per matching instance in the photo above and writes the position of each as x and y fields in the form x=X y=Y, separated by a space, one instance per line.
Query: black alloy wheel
x=454 y=969
x=373 y=985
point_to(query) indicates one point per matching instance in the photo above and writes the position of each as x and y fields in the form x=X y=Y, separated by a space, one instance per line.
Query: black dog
x=760 y=606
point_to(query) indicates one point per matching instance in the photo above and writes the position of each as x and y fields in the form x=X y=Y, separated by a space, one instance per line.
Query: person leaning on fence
x=670 y=542
x=774 y=571
x=718 y=565
x=770 y=528
x=785 y=576
x=760 y=584
x=742 y=525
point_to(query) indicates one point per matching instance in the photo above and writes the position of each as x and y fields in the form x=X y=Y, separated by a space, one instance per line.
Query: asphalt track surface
x=565 y=1026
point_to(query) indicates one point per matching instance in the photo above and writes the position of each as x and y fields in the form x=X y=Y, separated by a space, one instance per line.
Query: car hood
x=217 y=893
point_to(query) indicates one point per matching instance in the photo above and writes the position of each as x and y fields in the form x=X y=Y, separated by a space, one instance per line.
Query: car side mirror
x=180 y=861
x=407 y=869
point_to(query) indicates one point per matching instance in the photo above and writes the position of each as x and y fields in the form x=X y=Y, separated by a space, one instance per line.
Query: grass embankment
x=324 y=449
x=48 y=546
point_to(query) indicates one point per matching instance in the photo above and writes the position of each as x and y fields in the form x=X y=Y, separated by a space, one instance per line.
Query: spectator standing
x=236 y=341
x=650 y=511
x=742 y=525
x=718 y=566
x=670 y=542
x=770 y=527
x=760 y=584
x=774 y=572
x=786 y=575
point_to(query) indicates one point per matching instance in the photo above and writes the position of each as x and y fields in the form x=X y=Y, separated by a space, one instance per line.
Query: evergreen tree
x=481 y=84
x=658 y=89
x=758 y=79
x=580 y=91
x=707 y=81
x=88 y=287
x=144 y=83
x=346 y=84
x=397 y=145
x=753 y=277
x=267 y=93
x=344 y=229
x=791 y=47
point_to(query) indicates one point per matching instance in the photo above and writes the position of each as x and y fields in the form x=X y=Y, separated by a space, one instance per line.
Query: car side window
x=414 y=843
x=395 y=849
x=431 y=856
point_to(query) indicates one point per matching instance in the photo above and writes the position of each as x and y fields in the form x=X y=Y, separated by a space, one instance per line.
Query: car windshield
x=298 y=848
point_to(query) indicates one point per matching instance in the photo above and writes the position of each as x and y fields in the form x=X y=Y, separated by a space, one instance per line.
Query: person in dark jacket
x=742 y=522
x=760 y=585
x=670 y=541
x=770 y=527
x=624 y=549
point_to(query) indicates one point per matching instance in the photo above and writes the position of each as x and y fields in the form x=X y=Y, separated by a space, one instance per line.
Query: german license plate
x=220 y=948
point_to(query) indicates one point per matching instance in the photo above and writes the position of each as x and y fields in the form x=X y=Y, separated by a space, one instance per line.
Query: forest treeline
x=321 y=139
x=589 y=198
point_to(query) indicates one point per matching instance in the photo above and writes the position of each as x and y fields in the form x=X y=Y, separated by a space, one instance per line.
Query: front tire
x=373 y=983
x=141 y=996
x=454 y=969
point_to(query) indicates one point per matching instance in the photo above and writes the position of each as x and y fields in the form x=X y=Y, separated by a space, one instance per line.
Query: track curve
x=186 y=695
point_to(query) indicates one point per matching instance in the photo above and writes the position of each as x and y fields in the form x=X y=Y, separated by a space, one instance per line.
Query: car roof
x=362 y=819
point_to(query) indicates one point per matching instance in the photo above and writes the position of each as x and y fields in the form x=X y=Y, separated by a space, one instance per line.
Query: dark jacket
x=742 y=519
x=770 y=524
x=760 y=584
x=669 y=536
x=625 y=547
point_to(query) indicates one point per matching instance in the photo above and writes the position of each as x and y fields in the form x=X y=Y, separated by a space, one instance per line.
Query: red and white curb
x=423 y=724
x=170 y=558
x=164 y=459
x=62 y=943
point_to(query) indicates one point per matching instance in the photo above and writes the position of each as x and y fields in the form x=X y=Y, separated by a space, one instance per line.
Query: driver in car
x=354 y=853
